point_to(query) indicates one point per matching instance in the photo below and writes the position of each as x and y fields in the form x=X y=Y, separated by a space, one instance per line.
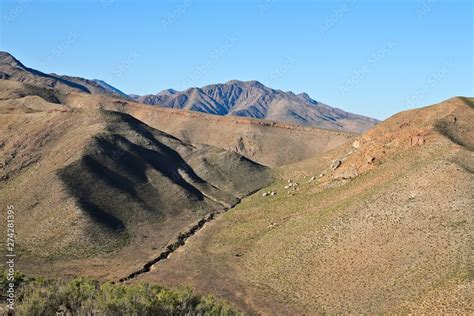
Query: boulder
x=335 y=164
x=349 y=173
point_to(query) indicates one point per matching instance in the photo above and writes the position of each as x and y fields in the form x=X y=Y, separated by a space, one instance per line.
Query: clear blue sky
x=369 y=57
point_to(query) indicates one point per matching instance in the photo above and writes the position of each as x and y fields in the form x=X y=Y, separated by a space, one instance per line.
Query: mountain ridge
x=13 y=69
x=233 y=98
x=254 y=99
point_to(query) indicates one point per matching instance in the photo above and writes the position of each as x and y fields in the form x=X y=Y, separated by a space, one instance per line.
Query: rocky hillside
x=253 y=99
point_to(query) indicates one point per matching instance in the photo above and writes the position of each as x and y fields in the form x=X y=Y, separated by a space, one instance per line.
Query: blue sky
x=369 y=57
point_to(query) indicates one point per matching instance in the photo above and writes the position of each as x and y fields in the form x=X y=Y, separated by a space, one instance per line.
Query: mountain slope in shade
x=94 y=86
x=110 y=88
x=12 y=69
x=96 y=185
x=253 y=99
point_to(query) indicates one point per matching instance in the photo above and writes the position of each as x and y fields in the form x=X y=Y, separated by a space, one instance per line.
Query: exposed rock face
x=408 y=131
x=253 y=99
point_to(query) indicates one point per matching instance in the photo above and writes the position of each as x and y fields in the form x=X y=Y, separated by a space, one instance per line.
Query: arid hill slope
x=386 y=228
x=98 y=185
x=266 y=142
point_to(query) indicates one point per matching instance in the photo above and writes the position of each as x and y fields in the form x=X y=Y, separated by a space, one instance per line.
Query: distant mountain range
x=253 y=99
x=233 y=98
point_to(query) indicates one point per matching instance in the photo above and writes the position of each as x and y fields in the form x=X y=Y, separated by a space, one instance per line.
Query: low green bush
x=83 y=296
x=17 y=276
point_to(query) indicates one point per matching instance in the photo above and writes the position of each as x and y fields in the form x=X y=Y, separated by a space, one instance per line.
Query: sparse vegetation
x=18 y=279
x=83 y=296
x=328 y=246
x=378 y=223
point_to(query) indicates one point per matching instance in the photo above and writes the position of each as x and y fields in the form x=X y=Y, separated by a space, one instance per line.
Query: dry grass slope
x=93 y=185
x=388 y=231
x=266 y=142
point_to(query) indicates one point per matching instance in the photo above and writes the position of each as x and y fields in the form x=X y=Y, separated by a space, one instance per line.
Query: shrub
x=83 y=296
x=18 y=276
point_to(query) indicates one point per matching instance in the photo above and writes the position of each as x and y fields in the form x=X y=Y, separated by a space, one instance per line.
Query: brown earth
x=376 y=223
x=266 y=142
x=92 y=186
x=395 y=237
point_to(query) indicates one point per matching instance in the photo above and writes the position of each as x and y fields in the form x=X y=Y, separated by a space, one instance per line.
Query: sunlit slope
x=389 y=230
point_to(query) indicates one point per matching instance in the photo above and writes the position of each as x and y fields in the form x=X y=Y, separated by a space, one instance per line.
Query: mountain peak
x=255 y=83
x=240 y=83
x=7 y=58
x=307 y=98
x=253 y=99
x=168 y=92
